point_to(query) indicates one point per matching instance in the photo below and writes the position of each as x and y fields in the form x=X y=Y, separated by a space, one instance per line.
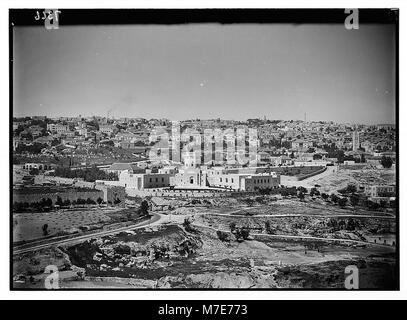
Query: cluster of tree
x=34 y=171
x=355 y=200
x=242 y=233
x=334 y=198
x=142 y=210
x=88 y=174
x=314 y=192
x=315 y=245
x=333 y=152
x=223 y=236
x=93 y=124
x=43 y=205
x=79 y=201
x=350 y=188
x=24 y=132
x=382 y=204
x=342 y=201
x=386 y=162
x=188 y=225
x=249 y=201
x=343 y=224
x=285 y=192
x=34 y=148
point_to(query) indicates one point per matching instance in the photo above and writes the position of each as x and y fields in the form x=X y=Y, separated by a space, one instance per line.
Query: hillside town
x=104 y=150
x=204 y=149
x=194 y=181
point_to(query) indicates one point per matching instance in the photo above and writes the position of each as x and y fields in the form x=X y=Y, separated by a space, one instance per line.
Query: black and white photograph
x=204 y=149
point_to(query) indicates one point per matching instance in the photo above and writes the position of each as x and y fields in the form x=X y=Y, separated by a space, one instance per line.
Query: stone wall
x=69 y=194
x=205 y=193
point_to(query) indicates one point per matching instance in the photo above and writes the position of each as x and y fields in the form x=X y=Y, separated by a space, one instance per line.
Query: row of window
x=261 y=181
x=156 y=179
x=226 y=180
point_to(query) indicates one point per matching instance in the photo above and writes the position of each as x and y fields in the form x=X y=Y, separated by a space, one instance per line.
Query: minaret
x=355 y=140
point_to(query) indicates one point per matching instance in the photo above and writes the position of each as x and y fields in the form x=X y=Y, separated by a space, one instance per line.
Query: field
x=28 y=226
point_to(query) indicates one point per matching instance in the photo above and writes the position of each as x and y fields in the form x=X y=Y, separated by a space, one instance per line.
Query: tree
x=351 y=224
x=242 y=233
x=144 y=208
x=334 y=198
x=48 y=202
x=383 y=203
x=351 y=188
x=43 y=202
x=90 y=201
x=301 y=196
x=81 y=201
x=342 y=202
x=59 y=201
x=188 y=225
x=314 y=192
x=354 y=200
x=223 y=236
x=249 y=202
x=302 y=189
x=45 y=231
x=324 y=196
x=373 y=205
x=232 y=226
x=99 y=200
x=268 y=227
x=34 y=171
x=386 y=162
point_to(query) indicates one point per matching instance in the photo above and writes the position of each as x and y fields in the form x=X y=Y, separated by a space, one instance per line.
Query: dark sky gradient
x=207 y=71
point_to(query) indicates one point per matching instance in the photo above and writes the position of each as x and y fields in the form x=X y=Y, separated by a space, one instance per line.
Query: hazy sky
x=207 y=71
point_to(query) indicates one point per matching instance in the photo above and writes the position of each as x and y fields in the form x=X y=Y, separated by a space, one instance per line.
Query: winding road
x=155 y=219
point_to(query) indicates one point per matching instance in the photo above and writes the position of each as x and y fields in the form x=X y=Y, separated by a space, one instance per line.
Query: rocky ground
x=172 y=257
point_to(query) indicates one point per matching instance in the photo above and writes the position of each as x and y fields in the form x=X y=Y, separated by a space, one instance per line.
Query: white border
x=195 y=295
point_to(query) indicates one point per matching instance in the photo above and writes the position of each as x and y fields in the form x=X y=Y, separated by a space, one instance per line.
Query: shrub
x=342 y=202
x=223 y=236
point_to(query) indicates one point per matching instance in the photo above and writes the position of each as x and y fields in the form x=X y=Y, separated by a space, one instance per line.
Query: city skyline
x=203 y=119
